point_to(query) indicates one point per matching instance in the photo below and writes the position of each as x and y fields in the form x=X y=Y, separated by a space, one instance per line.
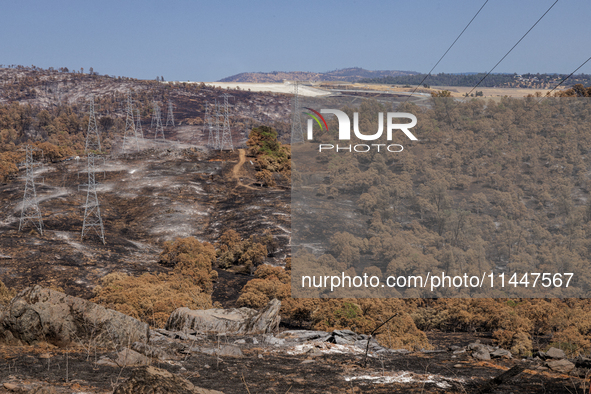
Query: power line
x=441 y=58
x=570 y=75
x=503 y=58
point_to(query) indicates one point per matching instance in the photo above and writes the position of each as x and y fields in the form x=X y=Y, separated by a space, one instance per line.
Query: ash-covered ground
x=159 y=194
x=270 y=364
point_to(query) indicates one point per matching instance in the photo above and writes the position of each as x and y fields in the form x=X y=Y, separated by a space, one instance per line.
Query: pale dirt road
x=238 y=167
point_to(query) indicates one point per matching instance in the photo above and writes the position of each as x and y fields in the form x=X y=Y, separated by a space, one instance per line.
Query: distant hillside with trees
x=353 y=74
x=534 y=81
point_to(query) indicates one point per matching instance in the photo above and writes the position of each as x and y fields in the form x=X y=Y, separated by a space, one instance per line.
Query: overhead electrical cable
x=441 y=58
x=503 y=58
x=570 y=75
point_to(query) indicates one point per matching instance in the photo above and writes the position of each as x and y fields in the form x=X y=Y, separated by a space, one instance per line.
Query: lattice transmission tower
x=226 y=140
x=217 y=136
x=157 y=121
x=92 y=209
x=93 y=139
x=153 y=114
x=208 y=120
x=30 y=211
x=130 y=130
x=297 y=134
x=138 y=125
x=170 y=115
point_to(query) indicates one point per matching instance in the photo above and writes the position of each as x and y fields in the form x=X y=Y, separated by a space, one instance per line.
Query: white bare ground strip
x=405 y=377
x=326 y=348
x=303 y=90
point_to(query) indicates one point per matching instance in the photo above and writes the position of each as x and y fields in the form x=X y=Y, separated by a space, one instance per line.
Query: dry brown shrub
x=521 y=344
x=190 y=257
x=428 y=318
x=269 y=282
x=151 y=298
x=572 y=341
x=401 y=333
x=253 y=255
x=54 y=153
x=229 y=240
x=270 y=155
x=365 y=315
x=265 y=178
x=249 y=253
x=359 y=315
x=8 y=166
x=540 y=313
x=513 y=322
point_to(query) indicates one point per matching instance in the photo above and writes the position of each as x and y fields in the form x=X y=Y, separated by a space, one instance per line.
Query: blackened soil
x=146 y=198
x=226 y=289
x=271 y=370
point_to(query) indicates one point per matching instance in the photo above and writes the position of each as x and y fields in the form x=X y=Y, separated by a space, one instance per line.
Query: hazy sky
x=210 y=40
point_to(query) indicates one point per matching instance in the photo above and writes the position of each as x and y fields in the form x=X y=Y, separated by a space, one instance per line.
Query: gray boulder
x=481 y=351
x=341 y=337
x=161 y=346
x=501 y=353
x=481 y=354
x=271 y=340
x=222 y=351
x=40 y=314
x=562 y=365
x=345 y=337
x=555 y=353
x=131 y=358
x=230 y=321
x=480 y=346
x=304 y=336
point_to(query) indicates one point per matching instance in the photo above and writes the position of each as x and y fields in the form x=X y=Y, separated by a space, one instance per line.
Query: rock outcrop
x=229 y=321
x=40 y=314
x=555 y=353
x=560 y=365
x=152 y=380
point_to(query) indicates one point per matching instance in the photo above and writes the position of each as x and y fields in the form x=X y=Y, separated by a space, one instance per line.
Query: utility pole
x=30 y=211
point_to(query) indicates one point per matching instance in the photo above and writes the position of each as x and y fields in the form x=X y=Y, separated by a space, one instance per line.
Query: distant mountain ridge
x=346 y=75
